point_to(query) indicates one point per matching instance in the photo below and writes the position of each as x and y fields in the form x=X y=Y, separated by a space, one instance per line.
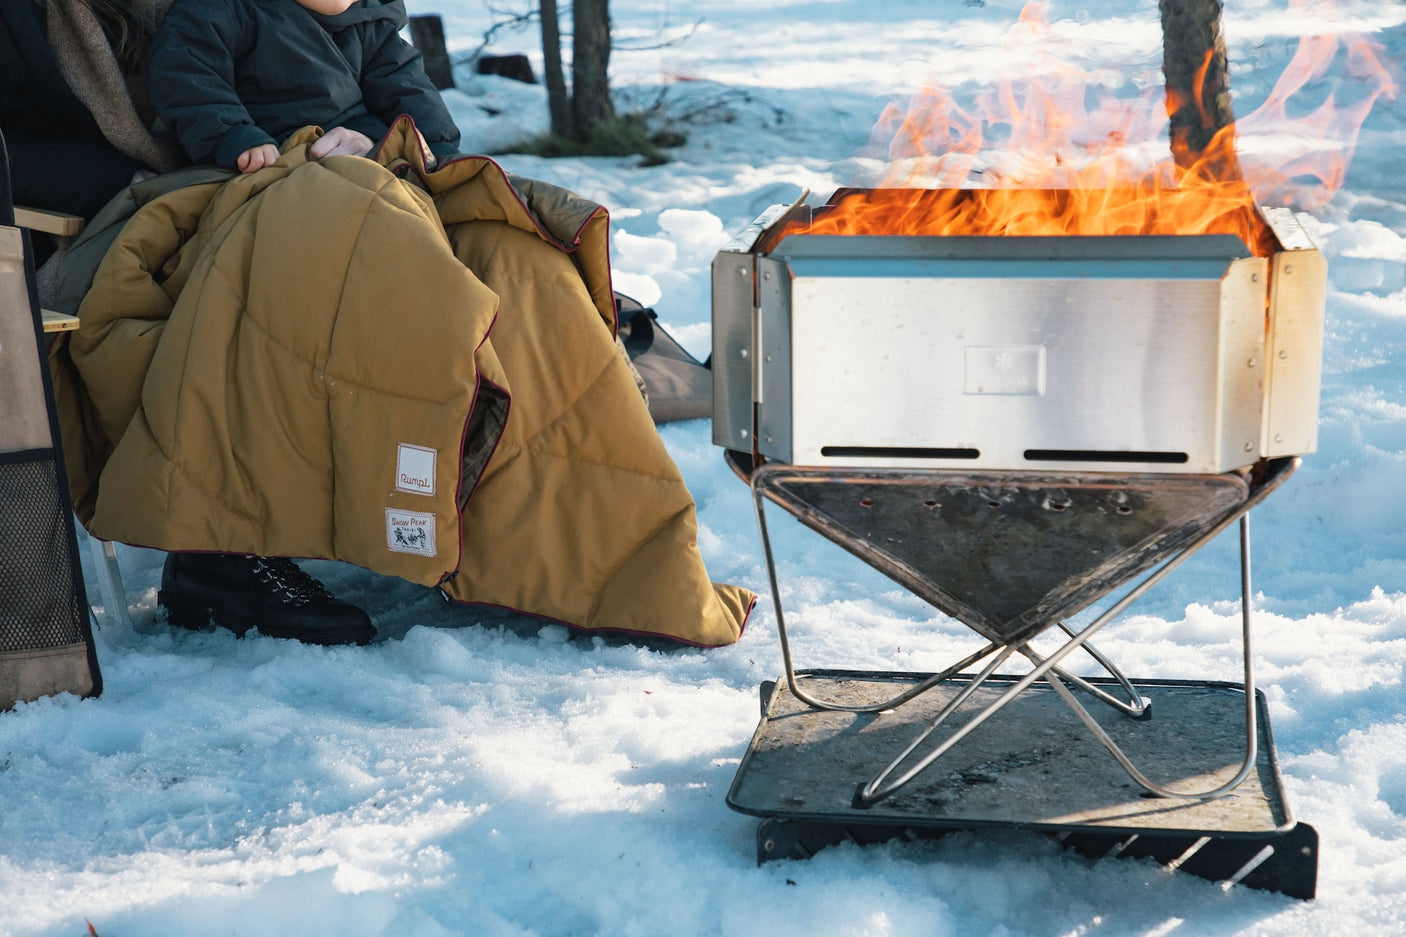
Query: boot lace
x=288 y=581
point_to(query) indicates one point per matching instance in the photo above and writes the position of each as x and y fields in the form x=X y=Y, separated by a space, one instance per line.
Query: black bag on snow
x=678 y=385
x=46 y=639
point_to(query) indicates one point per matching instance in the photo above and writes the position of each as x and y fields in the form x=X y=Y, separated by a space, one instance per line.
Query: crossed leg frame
x=910 y=762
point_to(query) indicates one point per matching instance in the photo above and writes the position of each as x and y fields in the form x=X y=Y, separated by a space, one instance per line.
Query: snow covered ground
x=476 y=774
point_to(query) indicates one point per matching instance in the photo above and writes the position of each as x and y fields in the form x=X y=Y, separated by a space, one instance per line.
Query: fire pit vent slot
x=1093 y=455
x=898 y=452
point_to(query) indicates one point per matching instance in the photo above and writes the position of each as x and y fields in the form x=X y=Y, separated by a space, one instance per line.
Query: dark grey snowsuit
x=228 y=75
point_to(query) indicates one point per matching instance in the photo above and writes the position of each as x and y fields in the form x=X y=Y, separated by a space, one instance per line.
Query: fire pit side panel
x=734 y=328
x=1008 y=353
x=1297 y=301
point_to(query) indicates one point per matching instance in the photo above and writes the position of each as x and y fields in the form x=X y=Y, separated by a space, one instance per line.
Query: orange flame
x=1033 y=159
x=1328 y=133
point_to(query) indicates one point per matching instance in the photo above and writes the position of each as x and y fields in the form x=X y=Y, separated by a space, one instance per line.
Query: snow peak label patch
x=414 y=469
x=410 y=532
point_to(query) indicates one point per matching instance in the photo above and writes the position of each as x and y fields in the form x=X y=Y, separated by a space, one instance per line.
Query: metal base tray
x=1032 y=765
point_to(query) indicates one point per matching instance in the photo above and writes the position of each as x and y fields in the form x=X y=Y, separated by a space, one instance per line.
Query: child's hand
x=340 y=141
x=257 y=157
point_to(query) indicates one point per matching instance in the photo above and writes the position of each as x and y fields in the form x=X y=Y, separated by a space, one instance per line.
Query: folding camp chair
x=64 y=226
x=46 y=644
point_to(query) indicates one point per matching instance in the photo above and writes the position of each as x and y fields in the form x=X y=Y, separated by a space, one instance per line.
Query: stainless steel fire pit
x=1157 y=353
x=1015 y=428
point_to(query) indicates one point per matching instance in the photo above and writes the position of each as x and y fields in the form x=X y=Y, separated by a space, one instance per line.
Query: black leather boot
x=271 y=594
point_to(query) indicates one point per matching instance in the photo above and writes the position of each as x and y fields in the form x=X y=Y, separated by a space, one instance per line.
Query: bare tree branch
x=511 y=19
x=663 y=43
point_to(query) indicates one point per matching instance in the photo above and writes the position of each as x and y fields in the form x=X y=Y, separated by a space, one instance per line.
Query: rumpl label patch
x=415 y=469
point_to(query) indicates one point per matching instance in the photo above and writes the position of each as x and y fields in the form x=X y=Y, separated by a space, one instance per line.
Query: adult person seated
x=572 y=510
x=73 y=154
x=74 y=134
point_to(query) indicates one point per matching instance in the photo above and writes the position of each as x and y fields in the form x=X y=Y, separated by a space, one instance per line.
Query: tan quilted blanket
x=363 y=360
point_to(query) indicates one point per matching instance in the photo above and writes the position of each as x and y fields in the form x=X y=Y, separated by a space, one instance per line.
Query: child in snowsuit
x=234 y=78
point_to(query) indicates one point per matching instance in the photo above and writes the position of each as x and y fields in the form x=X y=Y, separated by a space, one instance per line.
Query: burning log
x=1198 y=82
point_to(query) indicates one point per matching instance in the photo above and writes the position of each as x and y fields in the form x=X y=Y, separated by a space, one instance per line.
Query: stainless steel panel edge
x=1297 y=300
x=1170 y=255
x=776 y=389
x=1240 y=392
x=733 y=313
x=735 y=328
x=747 y=239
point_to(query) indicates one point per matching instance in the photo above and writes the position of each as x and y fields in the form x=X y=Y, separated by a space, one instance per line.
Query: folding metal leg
x=1044 y=668
x=1251 y=729
x=900 y=771
x=1136 y=705
x=114 y=593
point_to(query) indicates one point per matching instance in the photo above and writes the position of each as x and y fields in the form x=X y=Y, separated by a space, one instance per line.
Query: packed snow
x=480 y=773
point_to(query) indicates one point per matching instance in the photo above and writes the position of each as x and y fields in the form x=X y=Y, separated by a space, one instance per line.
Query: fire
x=1033 y=159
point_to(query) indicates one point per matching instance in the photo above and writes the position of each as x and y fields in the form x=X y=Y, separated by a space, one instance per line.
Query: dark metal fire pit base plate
x=1032 y=766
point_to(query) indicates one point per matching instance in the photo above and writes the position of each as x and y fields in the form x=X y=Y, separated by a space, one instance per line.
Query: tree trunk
x=427 y=36
x=1198 y=86
x=590 y=60
x=558 y=105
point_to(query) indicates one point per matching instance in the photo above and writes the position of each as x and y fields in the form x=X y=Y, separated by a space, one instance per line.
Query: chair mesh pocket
x=39 y=601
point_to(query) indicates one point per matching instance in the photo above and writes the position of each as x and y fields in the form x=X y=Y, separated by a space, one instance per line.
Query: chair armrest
x=49 y=222
x=57 y=223
x=58 y=322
